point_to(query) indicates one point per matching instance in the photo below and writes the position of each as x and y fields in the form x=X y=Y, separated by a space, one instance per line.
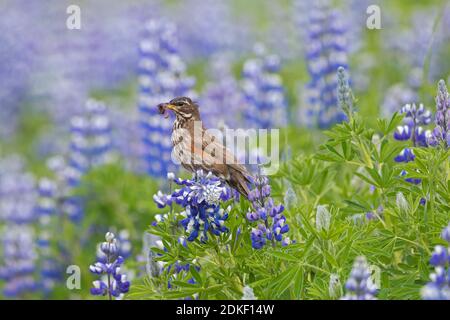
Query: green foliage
x=352 y=173
x=114 y=199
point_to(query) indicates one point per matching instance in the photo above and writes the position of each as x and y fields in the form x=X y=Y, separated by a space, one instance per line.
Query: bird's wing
x=218 y=156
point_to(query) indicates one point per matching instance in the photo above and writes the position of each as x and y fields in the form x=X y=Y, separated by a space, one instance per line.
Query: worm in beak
x=162 y=109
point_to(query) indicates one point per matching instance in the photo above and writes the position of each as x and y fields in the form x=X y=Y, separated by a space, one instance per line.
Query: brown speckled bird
x=197 y=149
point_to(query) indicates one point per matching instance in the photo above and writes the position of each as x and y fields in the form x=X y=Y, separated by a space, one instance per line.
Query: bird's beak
x=170 y=106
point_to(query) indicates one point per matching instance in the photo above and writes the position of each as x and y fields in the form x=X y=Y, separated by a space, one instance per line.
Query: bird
x=197 y=149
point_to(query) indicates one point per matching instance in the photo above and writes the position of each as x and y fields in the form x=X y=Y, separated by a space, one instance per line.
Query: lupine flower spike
x=415 y=118
x=344 y=93
x=442 y=120
x=264 y=92
x=439 y=286
x=326 y=39
x=113 y=283
x=200 y=197
x=360 y=286
x=271 y=222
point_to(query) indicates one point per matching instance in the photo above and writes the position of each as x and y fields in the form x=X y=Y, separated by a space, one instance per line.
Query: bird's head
x=183 y=107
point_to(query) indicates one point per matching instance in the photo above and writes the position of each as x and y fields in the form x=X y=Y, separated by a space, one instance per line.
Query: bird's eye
x=179 y=104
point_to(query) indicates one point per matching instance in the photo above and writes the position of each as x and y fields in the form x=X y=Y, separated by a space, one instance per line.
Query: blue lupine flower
x=264 y=92
x=102 y=57
x=272 y=223
x=18 y=63
x=439 y=286
x=402 y=133
x=19 y=261
x=17 y=212
x=212 y=28
x=114 y=284
x=90 y=139
x=326 y=50
x=122 y=243
x=17 y=192
x=442 y=118
x=90 y=146
x=200 y=197
x=415 y=118
x=406 y=155
x=423 y=40
x=50 y=271
x=359 y=286
x=161 y=78
x=222 y=93
x=412 y=130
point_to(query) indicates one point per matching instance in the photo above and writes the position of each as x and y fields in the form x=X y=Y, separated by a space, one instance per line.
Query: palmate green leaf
x=332 y=150
x=298 y=286
x=261 y=283
x=281 y=283
x=387 y=127
x=330 y=259
x=369 y=180
x=358 y=206
x=322 y=181
x=348 y=151
x=283 y=256
x=329 y=157
x=185 y=284
x=196 y=275
x=389 y=150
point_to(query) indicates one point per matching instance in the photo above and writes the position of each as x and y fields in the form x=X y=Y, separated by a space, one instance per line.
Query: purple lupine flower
x=90 y=138
x=17 y=212
x=439 y=286
x=90 y=146
x=18 y=57
x=201 y=198
x=266 y=104
x=123 y=245
x=19 y=257
x=406 y=155
x=271 y=222
x=326 y=51
x=100 y=57
x=114 y=283
x=415 y=118
x=212 y=29
x=222 y=92
x=17 y=192
x=402 y=133
x=46 y=209
x=359 y=286
x=161 y=77
x=412 y=130
x=258 y=236
x=442 y=119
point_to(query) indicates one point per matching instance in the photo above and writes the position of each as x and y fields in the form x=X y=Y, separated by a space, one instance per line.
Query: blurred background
x=82 y=150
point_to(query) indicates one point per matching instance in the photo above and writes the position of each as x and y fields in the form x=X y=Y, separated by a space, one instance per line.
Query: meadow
x=93 y=206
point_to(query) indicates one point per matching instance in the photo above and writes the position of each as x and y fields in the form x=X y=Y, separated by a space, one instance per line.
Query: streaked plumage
x=199 y=150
